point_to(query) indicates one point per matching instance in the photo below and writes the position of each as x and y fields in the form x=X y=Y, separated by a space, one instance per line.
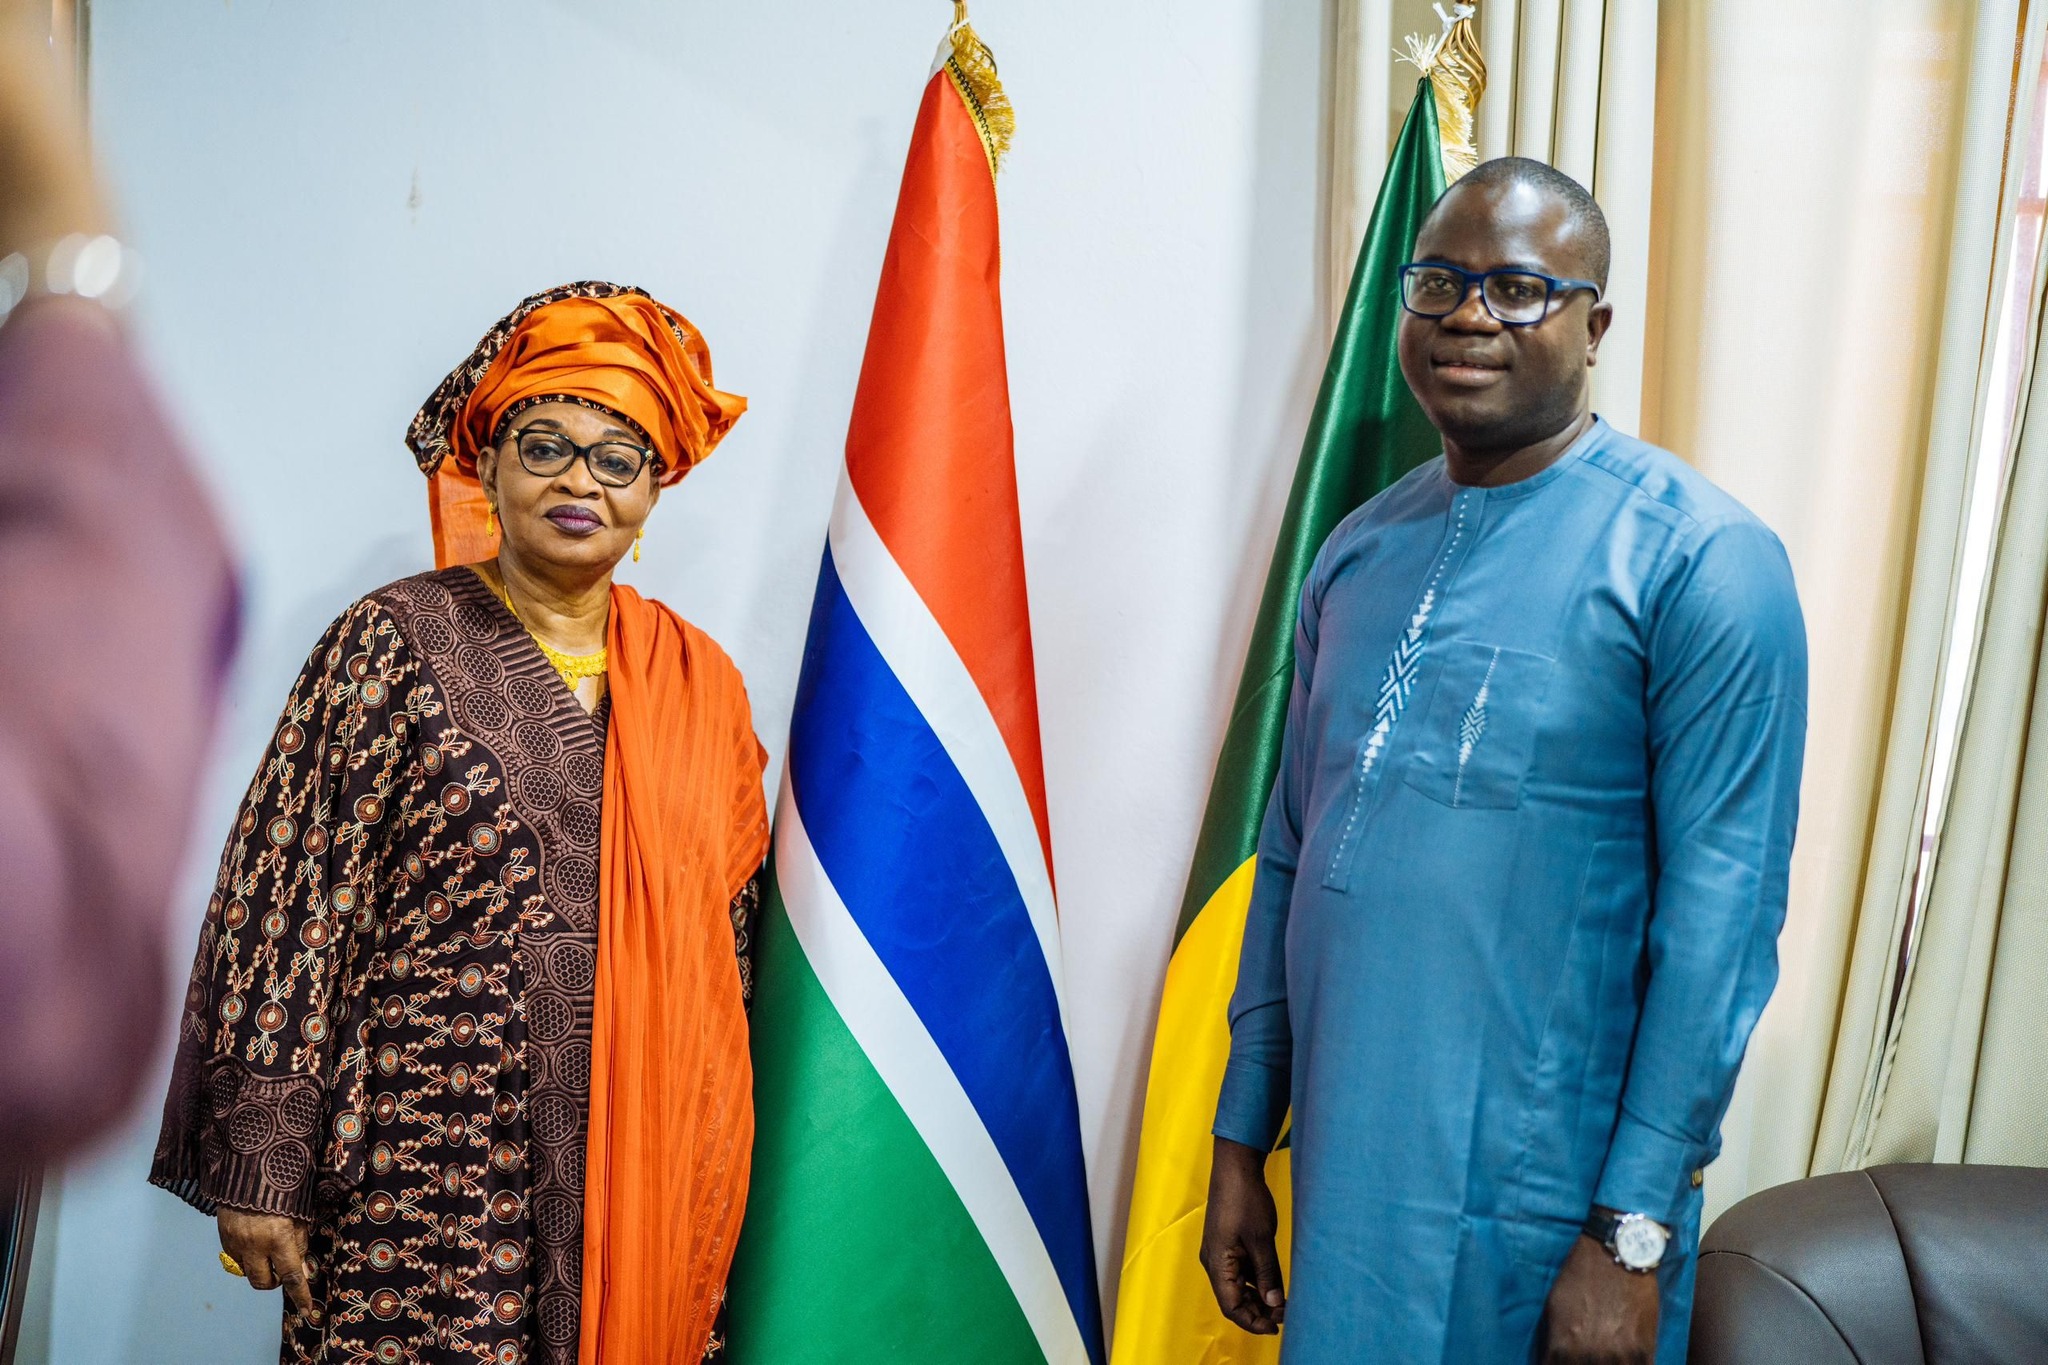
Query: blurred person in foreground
x=1522 y=875
x=464 y=1063
x=117 y=606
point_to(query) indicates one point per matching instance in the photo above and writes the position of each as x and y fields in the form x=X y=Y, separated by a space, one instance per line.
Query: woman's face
x=566 y=520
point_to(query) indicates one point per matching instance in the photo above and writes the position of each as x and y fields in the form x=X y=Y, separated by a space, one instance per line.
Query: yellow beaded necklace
x=574 y=668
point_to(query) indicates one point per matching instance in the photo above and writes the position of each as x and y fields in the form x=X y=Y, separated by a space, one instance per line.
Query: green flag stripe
x=841 y=1178
x=1366 y=432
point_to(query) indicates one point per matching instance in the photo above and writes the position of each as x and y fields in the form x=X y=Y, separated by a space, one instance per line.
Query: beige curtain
x=1570 y=82
x=1828 y=182
x=1962 y=1077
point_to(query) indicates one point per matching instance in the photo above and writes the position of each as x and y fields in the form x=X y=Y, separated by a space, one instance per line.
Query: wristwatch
x=1636 y=1241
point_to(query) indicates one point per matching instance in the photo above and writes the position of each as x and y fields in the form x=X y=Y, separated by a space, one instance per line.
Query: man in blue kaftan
x=1522 y=874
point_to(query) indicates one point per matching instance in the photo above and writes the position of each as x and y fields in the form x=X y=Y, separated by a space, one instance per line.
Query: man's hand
x=1600 y=1314
x=271 y=1249
x=1237 y=1240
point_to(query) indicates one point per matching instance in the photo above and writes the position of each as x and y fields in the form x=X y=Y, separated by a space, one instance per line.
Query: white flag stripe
x=930 y=669
x=897 y=1043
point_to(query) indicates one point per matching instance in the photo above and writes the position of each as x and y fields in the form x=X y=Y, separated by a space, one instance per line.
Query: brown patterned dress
x=388 y=1026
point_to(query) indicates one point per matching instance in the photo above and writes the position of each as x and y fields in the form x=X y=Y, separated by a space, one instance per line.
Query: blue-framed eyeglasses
x=1515 y=298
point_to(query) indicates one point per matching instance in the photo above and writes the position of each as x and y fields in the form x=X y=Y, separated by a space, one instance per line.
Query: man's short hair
x=1586 y=218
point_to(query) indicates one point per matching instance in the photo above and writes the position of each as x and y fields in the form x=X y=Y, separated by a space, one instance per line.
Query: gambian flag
x=1366 y=432
x=918 y=1188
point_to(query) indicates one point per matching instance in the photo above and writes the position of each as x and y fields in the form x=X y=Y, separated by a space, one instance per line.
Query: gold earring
x=636 y=544
x=491 y=521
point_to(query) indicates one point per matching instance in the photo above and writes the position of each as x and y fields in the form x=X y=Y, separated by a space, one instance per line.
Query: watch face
x=1639 y=1243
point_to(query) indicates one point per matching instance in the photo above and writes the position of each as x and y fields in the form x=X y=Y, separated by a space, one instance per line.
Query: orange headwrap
x=604 y=345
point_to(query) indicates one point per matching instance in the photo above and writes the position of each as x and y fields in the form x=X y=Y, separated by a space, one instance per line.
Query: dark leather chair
x=1896 y=1265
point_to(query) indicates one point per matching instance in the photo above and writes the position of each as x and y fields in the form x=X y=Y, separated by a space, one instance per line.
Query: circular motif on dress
x=451 y=1232
x=509 y=1306
x=537 y=741
x=508 y=1353
x=574 y=881
x=359 y=667
x=369 y=809
x=271 y=1017
x=430 y=759
x=274 y=924
x=344 y=898
x=393 y=1011
x=505 y=1206
x=556 y=1216
x=470 y=979
x=586 y=772
x=316 y=840
x=507 y=1256
x=485 y=839
x=438 y=908
x=583 y=822
x=290 y=737
x=387 y=1059
x=507 y=1107
x=231 y=1007
x=505 y=1156
x=451 y=1179
x=236 y=915
x=381 y=1158
x=314 y=933
x=540 y=789
x=559 y=1318
x=554 y=1117
x=569 y=1166
x=282 y=830
x=380 y=1207
x=388 y=1351
x=572 y=1066
x=249 y=1127
x=381 y=1254
x=462 y=1028
x=475 y=620
x=348 y=1126
x=455 y=798
x=458 y=1078
x=285 y=1166
x=386 y=1107
x=446 y=1279
x=483 y=712
x=432 y=634
x=575 y=966
x=414 y=868
x=333 y=657
x=549 y=1015
x=374 y=692
x=531 y=696
x=480 y=665
x=313 y=1028
x=401 y=964
x=385 y=1303
x=336 y=757
x=299 y=1111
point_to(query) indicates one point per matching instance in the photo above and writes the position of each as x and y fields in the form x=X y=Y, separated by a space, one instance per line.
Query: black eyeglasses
x=616 y=464
x=1515 y=298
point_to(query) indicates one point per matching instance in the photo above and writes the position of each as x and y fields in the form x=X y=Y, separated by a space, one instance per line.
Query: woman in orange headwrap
x=463 y=1065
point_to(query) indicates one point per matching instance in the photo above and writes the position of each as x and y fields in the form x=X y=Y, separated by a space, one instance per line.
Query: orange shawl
x=671 y=1086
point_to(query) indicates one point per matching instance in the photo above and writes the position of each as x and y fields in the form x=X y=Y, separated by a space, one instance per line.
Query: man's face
x=1483 y=384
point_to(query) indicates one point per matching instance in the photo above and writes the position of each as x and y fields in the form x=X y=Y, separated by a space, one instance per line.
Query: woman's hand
x=271 y=1249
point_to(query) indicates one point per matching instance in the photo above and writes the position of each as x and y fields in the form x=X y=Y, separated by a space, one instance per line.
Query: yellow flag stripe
x=1165 y=1310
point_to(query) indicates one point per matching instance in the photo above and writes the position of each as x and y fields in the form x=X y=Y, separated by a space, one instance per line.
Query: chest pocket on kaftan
x=1473 y=747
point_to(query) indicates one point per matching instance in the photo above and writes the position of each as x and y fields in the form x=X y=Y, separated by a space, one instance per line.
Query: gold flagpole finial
x=1457 y=72
x=973 y=68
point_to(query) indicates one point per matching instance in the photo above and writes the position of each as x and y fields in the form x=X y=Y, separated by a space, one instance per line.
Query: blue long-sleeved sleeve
x=1727 y=729
x=1253 y=1105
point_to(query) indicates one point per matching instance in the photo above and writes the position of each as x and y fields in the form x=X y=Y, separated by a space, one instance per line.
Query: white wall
x=336 y=199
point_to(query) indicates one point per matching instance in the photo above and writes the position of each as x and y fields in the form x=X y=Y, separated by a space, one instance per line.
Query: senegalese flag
x=918 y=1188
x=1365 y=433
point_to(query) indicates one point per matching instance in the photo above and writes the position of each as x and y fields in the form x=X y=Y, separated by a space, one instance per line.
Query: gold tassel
x=1457 y=73
x=973 y=68
x=636 y=544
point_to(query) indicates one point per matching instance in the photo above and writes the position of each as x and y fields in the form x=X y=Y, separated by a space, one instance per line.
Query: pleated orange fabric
x=671 y=1088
